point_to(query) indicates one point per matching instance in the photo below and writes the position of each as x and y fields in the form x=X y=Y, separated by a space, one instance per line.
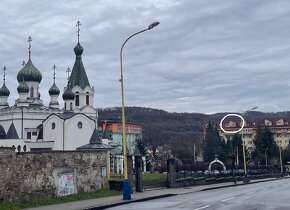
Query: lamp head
x=152 y=25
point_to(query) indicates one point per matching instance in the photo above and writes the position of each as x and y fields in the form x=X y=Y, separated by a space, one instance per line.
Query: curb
x=131 y=201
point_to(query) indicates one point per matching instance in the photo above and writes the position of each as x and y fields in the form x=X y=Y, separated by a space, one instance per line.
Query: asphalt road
x=259 y=196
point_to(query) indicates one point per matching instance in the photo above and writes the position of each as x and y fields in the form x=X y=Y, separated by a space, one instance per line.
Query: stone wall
x=35 y=175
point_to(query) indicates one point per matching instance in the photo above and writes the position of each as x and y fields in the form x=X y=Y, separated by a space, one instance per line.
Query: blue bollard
x=126 y=190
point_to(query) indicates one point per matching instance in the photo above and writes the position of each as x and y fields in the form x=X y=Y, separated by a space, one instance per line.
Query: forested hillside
x=176 y=130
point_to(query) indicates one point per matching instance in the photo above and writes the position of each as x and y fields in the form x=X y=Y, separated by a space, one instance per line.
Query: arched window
x=64 y=106
x=24 y=148
x=80 y=125
x=31 y=92
x=53 y=125
x=19 y=148
x=77 y=99
x=87 y=98
x=70 y=107
x=13 y=147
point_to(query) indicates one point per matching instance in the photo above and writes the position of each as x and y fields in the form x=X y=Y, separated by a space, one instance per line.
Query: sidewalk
x=102 y=203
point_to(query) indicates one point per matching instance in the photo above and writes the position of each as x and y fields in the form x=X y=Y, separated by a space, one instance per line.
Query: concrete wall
x=35 y=175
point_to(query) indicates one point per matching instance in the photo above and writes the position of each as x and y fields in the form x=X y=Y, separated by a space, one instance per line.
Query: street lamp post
x=126 y=185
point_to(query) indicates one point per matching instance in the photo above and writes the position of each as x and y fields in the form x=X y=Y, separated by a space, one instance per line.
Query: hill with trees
x=181 y=132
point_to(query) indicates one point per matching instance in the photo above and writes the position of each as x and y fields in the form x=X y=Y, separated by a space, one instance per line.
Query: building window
x=70 y=107
x=31 y=92
x=87 y=98
x=13 y=147
x=34 y=133
x=53 y=125
x=80 y=125
x=77 y=99
x=28 y=135
x=64 y=106
x=24 y=148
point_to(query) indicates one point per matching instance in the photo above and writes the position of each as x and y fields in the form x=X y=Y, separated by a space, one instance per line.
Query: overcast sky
x=205 y=56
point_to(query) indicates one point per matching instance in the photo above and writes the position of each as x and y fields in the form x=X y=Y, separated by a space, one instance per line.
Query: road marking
x=202 y=207
x=227 y=199
x=250 y=193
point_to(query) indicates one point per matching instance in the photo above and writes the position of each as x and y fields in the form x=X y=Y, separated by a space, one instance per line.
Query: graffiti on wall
x=66 y=184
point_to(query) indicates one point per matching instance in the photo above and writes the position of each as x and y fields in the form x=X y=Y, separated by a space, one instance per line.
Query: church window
x=31 y=92
x=70 y=107
x=28 y=135
x=24 y=148
x=19 y=148
x=53 y=125
x=64 y=106
x=13 y=147
x=77 y=99
x=87 y=98
x=80 y=125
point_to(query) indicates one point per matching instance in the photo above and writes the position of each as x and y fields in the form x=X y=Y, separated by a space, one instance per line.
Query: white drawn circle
x=234 y=115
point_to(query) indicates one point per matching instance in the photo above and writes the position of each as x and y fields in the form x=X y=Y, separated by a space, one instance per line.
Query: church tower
x=79 y=83
x=4 y=92
x=31 y=76
x=54 y=92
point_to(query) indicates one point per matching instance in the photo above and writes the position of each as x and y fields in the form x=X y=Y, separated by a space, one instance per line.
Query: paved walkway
x=102 y=203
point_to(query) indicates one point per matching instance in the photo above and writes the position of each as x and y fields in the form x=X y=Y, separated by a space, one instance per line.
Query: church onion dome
x=68 y=94
x=29 y=73
x=53 y=90
x=4 y=91
x=78 y=49
x=22 y=88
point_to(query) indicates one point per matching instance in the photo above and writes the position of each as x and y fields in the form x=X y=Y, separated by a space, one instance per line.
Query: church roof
x=95 y=142
x=78 y=75
x=12 y=133
x=4 y=91
x=106 y=135
x=22 y=87
x=29 y=73
x=68 y=94
x=54 y=90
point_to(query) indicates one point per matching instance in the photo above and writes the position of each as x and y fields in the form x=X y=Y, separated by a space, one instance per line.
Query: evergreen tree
x=264 y=141
x=212 y=144
x=235 y=147
x=141 y=147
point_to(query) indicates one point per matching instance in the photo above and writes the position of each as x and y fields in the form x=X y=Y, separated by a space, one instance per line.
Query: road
x=266 y=195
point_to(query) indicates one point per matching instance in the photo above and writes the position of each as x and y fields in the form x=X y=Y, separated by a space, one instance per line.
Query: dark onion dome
x=22 y=88
x=53 y=90
x=78 y=75
x=29 y=73
x=68 y=94
x=78 y=49
x=4 y=91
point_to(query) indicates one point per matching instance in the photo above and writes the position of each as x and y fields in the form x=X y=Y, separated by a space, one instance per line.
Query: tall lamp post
x=244 y=150
x=126 y=185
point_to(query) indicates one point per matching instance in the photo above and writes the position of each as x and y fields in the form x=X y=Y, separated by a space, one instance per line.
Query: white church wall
x=76 y=135
x=53 y=132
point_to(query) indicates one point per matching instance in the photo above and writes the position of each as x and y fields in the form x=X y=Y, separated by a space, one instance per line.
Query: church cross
x=68 y=71
x=23 y=63
x=54 y=68
x=78 y=31
x=4 y=70
x=29 y=41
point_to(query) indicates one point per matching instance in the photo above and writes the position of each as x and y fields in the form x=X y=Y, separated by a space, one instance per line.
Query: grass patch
x=58 y=200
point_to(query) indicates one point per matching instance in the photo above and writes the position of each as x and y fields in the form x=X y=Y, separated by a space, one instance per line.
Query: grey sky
x=205 y=56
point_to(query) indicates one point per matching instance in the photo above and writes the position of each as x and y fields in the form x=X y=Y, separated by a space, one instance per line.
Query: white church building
x=29 y=125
